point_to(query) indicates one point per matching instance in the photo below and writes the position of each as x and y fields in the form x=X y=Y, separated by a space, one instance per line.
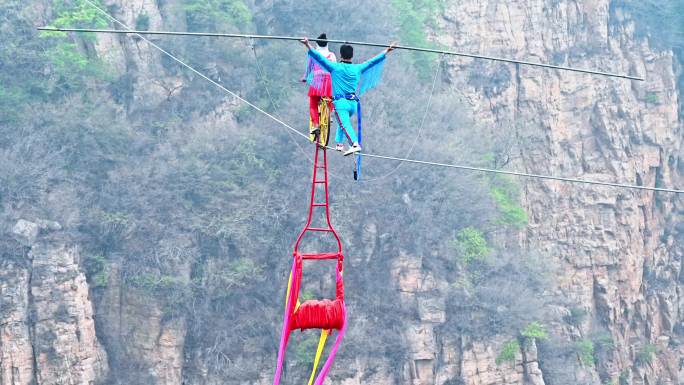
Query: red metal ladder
x=325 y=314
x=313 y=204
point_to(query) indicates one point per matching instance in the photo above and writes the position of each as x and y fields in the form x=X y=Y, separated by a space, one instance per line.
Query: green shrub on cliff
x=535 y=330
x=306 y=348
x=142 y=22
x=71 y=64
x=75 y=14
x=646 y=354
x=585 y=352
x=224 y=278
x=97 y=270
x=471 y=245
x=216 y=14
x=508 y=352
x=155 y=282
x=414 y=18
x=506 y=194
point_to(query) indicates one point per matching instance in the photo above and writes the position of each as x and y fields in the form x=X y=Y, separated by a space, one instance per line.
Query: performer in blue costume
x=346 y=78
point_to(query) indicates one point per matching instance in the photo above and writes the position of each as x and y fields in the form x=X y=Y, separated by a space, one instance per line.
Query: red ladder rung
x=317 y=229
x=319 y=204
x=321 y=256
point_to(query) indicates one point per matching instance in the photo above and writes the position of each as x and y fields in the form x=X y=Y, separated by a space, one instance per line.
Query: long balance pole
x=408 y=48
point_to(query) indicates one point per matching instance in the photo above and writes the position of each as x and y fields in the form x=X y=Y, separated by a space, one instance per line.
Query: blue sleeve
x=368 y=64
x=371 y=73
x=321 y=60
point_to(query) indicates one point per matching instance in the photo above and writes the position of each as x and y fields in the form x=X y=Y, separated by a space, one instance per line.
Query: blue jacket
x=347 y=76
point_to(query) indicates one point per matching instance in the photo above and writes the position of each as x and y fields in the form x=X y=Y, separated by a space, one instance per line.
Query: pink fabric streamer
x=286 y=328
x=338 y=341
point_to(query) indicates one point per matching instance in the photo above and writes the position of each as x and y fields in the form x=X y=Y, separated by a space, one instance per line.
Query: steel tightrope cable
x=392 y=158
x=402 y=47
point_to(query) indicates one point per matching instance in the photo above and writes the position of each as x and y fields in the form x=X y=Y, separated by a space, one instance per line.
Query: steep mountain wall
x=48 y=330
x=609 y=259
x=617 y=250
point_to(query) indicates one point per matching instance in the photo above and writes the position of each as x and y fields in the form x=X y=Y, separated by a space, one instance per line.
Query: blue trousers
x=345 y=110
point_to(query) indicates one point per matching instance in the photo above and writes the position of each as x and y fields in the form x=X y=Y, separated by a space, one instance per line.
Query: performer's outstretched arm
x=320 y=59
x=371 y=70
x=377 y=59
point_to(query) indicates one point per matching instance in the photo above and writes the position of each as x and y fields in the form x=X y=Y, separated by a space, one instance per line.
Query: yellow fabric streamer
x=319 y=351
x=287 y=295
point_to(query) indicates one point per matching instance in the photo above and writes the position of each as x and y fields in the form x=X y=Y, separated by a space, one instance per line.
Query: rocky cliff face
x=48 y=330
x=619 y=262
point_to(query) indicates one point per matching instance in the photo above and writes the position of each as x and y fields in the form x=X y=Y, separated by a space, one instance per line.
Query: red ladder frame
x=294 y=283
